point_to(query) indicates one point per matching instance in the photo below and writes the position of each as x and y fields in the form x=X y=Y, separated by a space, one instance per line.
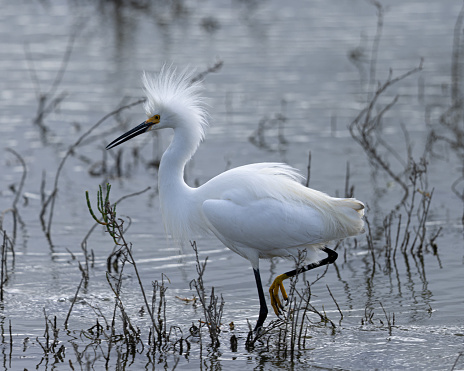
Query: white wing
x=268 y=226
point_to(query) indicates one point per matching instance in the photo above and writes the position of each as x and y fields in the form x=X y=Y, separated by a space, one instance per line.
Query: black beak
x=140 y=129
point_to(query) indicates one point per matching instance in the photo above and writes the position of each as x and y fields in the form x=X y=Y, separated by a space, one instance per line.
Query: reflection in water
x=448 y=130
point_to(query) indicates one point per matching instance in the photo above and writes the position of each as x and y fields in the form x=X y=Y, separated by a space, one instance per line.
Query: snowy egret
x=258 y=211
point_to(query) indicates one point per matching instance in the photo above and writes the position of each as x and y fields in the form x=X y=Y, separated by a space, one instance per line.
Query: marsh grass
x=366 y=130
x=52 y=348
x=124 y=338
x=212 y=308
x=116 y=338
x=403 y=230
x=115 y=228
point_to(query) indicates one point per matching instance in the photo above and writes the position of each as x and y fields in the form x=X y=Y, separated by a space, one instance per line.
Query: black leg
x=331 y=257
x=262 y=301
x=278 y=285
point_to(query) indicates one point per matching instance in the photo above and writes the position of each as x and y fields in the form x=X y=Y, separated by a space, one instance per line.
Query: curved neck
x=177 y=199
x=171 y=170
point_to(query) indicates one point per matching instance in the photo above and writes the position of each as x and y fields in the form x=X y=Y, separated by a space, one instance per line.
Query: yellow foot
x=274 y=292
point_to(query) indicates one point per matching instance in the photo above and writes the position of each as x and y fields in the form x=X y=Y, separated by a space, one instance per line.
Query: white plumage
x=258 y=211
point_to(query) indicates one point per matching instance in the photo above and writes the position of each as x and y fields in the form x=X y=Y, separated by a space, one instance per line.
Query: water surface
x=308 y=62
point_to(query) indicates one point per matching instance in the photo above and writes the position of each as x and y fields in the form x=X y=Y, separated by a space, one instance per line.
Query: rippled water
x=307 y=61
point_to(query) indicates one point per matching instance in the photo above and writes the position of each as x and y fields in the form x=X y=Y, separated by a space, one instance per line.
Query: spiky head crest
x=176 y=98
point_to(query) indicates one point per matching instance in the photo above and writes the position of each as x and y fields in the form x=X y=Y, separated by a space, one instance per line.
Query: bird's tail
x=348 y=217
x=355 y=205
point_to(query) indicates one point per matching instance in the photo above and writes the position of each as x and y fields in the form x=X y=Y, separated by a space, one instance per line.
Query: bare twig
x=389 y=318
x=14 y=208
x=86 y=237
x=51 y=199
x=375 y=46
x=48 y=101
x=214 y=68
x=72 y=303
x=338 y=307
x=308 y=176
x=363 y=130
x=23 y=178
x=460 y=354
x=3 y=270
x=456 y=95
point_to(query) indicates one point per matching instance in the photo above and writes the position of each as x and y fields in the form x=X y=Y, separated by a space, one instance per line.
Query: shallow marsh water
x=307 y=62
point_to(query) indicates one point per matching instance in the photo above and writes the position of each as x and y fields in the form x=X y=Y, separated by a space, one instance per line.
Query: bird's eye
x=155 y=119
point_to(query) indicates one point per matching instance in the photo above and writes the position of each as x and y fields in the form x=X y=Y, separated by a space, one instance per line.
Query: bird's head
x=173 y=101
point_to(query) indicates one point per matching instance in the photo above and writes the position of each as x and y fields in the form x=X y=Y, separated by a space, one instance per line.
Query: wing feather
x=268 y=226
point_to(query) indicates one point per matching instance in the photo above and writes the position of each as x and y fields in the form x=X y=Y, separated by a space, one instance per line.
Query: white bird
x=259 y=211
